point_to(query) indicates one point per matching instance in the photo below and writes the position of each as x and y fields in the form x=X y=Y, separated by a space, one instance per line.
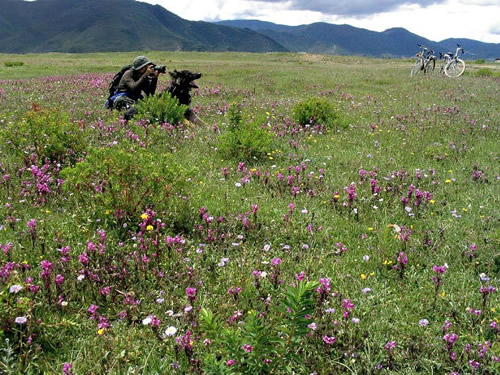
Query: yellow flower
x=432 y=201
x=363 y=276
x=149 y=228
x=336 y=196
x=370 y=229
x=101 y=332
x=107 y=212
x=372 y=273
x=443 y=294
x=144 y=216
x=448 y=181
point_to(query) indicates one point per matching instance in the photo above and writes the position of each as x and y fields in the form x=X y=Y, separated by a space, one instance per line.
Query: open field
x=364 y=242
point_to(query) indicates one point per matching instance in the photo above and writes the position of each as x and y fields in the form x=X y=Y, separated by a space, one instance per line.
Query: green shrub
x=161 y=108
x=480 y=61
x=47 y=133
x=11 y=64
x=277 y=341
x=244 y=140
x=126 y=179
x=315 y=111
x=484 y=72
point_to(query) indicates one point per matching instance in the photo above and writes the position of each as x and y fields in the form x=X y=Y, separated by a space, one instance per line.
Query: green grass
x=428 y=134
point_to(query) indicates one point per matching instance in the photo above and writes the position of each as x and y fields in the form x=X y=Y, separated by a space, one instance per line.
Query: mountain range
x=128 y=25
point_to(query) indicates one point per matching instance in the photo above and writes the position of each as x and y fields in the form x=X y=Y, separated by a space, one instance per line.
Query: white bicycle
x=453 y=66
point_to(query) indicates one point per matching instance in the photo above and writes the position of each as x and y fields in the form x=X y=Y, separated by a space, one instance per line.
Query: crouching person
x=138 y=81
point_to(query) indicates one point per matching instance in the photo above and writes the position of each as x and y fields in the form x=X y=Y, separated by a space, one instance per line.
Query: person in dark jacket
x=141 y=79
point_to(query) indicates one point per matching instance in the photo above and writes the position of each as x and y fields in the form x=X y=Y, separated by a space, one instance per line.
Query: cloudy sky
x=433 y=19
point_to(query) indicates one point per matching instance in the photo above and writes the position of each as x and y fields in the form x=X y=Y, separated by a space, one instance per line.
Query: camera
x=160 y=68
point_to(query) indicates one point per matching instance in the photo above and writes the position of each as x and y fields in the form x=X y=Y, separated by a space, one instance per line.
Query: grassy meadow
x=364 y=240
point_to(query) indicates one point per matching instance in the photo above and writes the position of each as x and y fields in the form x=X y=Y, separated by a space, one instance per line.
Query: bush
x=126 y=179
x=315 y=111
x=161 y=108
x=11 y=64
x=48 y=134
x=244 y=140
x=484 y=72
x=480 y=61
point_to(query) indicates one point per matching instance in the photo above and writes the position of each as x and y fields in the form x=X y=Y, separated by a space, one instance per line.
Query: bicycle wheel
x=455 y=68
x=431 y=65
x=417 y=67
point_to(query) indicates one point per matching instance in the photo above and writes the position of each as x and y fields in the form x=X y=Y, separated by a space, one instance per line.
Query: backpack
x=113 y=85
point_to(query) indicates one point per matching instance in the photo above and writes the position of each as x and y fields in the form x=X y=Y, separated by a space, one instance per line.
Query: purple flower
x=67 y=369
x=191 y=293
x=230 y=362
x=440 y=269
x=423 y=322
x=247 y=347
x=275 y=262
x=329 y=340
x=390 y=345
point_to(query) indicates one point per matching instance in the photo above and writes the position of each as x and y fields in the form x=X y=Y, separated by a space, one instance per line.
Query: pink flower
x=329 y=340
x=247 y=347
x=230 y=362
x=191 y=293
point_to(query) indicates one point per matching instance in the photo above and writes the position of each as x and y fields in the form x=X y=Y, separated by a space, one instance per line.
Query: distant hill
x=130 y=25
x=349 y=40
x=114 y=25
x=473 y=48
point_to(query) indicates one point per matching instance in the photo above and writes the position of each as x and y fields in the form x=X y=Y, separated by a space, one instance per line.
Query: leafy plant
x=161 y=109
x=257 y=346
x=244 y=140
x=315 y=110
x=126 y=179
x=47 y=133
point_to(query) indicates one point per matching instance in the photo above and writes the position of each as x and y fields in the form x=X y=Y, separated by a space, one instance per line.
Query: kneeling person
x=139 y=81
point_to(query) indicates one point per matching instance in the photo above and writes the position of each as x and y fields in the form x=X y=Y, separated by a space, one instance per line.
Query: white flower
x=170 y=312
x=237 y=184
x=80 y=277
x=147 y=321
x=170 y=331
x=20 y=320
x=15 y=288
x=267 y=247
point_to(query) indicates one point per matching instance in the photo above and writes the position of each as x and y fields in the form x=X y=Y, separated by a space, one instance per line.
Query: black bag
x=113 y=85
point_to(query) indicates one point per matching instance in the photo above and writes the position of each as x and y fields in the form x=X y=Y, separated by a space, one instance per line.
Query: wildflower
x=275 y=262
x=92 y=310
x=59 y=279
x=21 y=320
x=14 y=289
x=170 y=331
x=144 y=216
x=191 y=293
x=149 y=228
x=390 y=346
x=147 y=321
x=366 y=290
x=247 y=347
x=423 y=322
x=267 y=247
x=67 y=369
x=329 y=340
x=101 y=331
x=330 y=310
x=230 y=362
x=355 y=320
x=312 y=326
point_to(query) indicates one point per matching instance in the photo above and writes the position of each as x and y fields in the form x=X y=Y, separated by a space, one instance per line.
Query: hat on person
x=140 y=62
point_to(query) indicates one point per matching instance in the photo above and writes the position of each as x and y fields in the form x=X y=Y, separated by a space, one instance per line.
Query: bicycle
x=426 y=61
x=453 y=66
